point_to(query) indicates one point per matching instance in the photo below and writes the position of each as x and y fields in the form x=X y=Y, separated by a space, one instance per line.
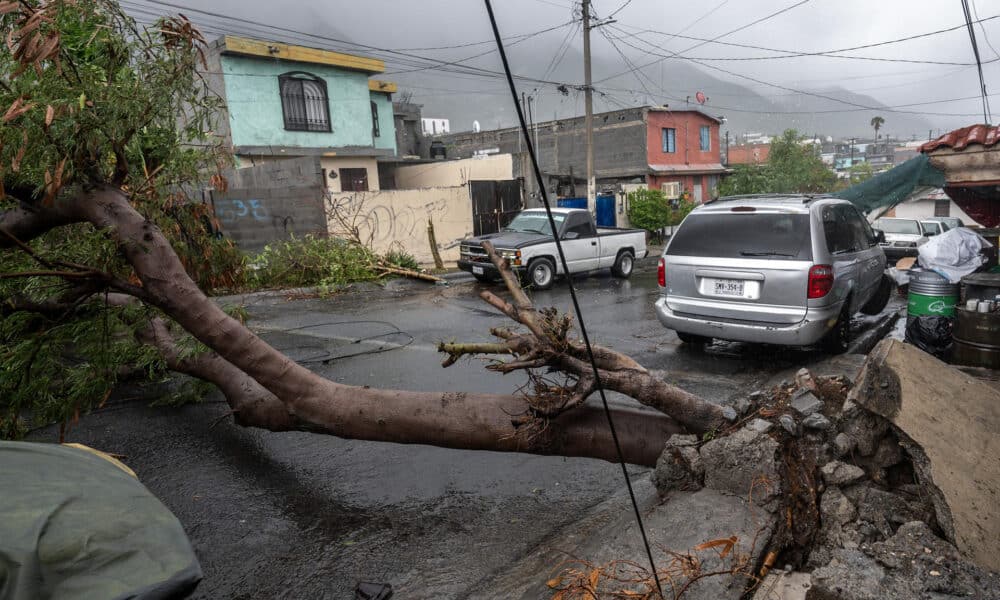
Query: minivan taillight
x=661 y=273
x=820 y=281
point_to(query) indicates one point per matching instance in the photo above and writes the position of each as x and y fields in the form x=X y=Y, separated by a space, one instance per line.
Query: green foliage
x=860 y=172
x=312 y=261
x=792 y=167
x=89 y=98
x=652 y=211
x=402 y=259
x=648 y=209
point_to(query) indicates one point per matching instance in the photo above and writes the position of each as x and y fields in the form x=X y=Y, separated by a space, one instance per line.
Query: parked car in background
x=787 y=270
x=947 y=222
x=528 y=244
x=932 y=228
x=902 y=237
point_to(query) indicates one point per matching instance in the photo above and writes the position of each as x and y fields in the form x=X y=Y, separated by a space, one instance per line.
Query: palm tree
x=877 y=122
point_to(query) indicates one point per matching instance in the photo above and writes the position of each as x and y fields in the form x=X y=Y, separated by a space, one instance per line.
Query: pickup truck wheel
x=541 y=273
x=623 y=265
x=881 y=298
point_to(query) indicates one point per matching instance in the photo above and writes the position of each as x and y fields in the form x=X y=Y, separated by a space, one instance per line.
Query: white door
x=580 y=243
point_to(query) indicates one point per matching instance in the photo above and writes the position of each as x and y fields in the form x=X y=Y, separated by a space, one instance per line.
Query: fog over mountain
x=764 y=65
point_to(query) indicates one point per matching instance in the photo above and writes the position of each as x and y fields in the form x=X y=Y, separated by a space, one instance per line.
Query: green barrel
x=931 y=295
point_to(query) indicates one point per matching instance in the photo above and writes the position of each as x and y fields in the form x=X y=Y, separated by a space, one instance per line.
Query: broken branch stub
x=548 y=345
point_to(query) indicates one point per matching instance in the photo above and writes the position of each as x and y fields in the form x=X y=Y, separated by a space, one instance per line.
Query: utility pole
x=727 y=147
x=589 y=107
x=852 y=152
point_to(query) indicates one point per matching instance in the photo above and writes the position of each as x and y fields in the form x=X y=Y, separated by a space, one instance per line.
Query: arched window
x=304 y=104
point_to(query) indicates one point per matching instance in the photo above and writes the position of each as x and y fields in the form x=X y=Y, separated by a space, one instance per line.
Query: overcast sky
x=413 y=27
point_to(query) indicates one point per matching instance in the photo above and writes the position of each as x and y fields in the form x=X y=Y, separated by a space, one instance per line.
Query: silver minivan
x=788 y=270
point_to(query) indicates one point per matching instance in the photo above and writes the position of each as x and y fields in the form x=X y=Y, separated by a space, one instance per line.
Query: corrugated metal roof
x=960 y=138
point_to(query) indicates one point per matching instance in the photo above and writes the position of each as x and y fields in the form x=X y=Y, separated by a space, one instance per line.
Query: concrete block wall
x=272 y=201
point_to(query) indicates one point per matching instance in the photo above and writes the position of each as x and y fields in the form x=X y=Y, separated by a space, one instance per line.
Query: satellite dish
x=475 y=126
x=700 y=97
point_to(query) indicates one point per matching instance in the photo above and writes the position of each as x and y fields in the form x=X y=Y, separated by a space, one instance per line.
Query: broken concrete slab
x=952 y=419
x=609 y=533
x=913 y=563
x=739 y=463
x=839 y=473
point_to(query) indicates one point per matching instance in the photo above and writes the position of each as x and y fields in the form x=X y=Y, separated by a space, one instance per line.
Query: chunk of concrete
x=805 y=402
x=784 y=585
x=816 y=421
x=843 y=444
x=805 y=380
x=952 y=419
x=788 y=423
x=743 y=464
x=679 y=466
x=911 y=564
x=836 y=508
x=761 y=425
x=839 y=473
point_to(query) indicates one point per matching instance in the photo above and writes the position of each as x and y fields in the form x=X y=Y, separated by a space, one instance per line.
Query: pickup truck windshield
x=743 y=235
x=534 y=223
x=905 y=226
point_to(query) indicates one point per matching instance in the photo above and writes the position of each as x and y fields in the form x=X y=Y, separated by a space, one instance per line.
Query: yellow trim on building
x=376 y=85
x=251 y=47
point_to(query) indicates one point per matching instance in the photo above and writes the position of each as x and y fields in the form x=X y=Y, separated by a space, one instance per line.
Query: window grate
x=304 y=103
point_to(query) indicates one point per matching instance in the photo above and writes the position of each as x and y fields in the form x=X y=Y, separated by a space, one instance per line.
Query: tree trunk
x=267 y=389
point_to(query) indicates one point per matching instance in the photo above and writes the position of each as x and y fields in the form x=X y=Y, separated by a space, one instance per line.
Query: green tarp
x=74 y=525
x=885 y=190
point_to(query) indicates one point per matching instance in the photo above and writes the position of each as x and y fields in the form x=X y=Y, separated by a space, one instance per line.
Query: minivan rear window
x=743 y=235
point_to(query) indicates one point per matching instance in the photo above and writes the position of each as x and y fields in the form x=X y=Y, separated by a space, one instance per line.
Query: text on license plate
x=477 y=270
x=728 y=287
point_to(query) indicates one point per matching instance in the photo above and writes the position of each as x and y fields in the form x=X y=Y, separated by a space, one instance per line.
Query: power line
x=982 y=27
x=979 y=62
x=572 y=291
x=784 y=54
x=741 y=28
x=760 y=81
x=442 y=65
x=620 y=8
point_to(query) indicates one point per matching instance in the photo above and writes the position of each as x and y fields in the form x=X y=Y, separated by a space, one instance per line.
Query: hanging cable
x=979 y=62
x=572 y=290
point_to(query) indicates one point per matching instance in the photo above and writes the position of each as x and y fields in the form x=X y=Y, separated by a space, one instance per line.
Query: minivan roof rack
x=805 y=198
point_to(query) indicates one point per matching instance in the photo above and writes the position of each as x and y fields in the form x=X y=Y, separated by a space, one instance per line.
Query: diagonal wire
x=572 y=292
x=979 y=62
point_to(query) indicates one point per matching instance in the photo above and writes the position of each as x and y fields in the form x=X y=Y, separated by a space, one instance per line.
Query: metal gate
x=605 y=211
x=494 y=204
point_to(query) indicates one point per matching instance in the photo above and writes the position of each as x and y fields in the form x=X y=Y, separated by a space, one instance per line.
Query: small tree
x=649 y=210
x=792 y=167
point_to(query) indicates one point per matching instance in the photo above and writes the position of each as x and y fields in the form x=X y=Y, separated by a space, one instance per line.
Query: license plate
x=728 y=287
x=477 y=270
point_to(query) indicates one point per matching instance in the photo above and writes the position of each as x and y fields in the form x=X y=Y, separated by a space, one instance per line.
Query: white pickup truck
x=528 y=244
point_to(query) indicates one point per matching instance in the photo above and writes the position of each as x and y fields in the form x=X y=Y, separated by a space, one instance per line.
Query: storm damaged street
x=295 y=515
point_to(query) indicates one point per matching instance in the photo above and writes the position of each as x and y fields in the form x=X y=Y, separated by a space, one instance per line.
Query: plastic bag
x=954 y=254
x=932 y=334
x=900 y=277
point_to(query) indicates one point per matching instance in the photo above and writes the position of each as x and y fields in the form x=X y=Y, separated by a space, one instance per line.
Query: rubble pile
x=853 y=508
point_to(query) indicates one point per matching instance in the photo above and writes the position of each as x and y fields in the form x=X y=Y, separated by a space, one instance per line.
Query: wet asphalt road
x=296 y=515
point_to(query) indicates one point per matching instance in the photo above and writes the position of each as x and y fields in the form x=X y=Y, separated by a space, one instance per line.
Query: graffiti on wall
x=387 y=219
x=387 y=222
x=236 y=212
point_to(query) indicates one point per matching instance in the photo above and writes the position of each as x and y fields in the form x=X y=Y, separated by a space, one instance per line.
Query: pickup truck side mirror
x=570 y=235
x=879 y=236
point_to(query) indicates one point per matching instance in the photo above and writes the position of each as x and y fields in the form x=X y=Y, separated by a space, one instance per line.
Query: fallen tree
x=93 y=168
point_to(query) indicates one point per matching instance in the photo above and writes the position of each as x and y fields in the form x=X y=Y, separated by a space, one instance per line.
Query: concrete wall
x=272 y=201
x=924 y=207
x=399 y=218
x=334 y=164
x=254 y=101
x=455 y=172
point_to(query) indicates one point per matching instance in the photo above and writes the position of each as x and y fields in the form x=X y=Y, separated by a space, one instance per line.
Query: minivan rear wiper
x=768 y=253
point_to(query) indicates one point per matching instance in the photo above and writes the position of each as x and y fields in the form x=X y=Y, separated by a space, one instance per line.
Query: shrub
x=326 y=262
x=649 y=210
